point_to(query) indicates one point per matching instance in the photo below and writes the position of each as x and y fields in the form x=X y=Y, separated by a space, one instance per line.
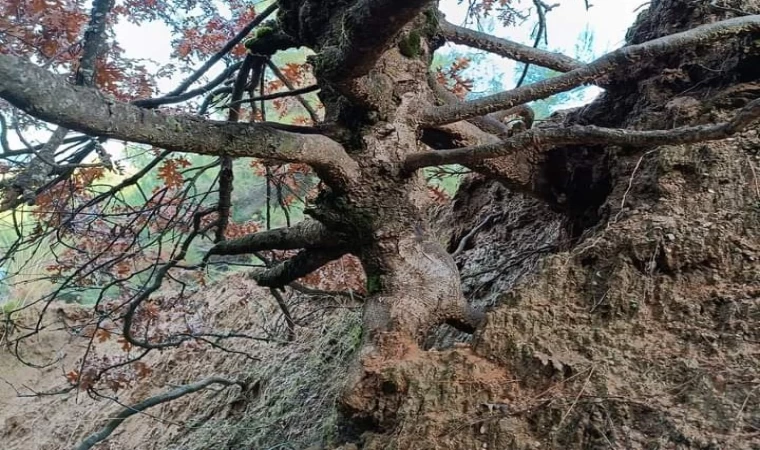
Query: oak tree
x=383 y=118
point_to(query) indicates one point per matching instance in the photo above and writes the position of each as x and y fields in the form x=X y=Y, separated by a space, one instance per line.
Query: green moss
x=9 y=308
x=353 y=337
x=259 y=33
x=373 y=284
x=432 y=22
x=410 y=45
x=263 y=31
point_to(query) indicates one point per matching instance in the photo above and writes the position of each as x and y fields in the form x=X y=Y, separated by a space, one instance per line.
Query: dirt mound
x=641 y=333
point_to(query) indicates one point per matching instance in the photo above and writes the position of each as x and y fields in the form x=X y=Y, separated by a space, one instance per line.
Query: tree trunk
x=412 y=280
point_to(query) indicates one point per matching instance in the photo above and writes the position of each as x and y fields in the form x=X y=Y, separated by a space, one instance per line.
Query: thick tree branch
x=306 y=234
x=4 y=146
x=540 y=140
x=94 y=36
x=594 y=72
x=26 y=185
x=486 y=123
x=508 y=49
x=50 y=98
x=367 y=29
x=514 y=171
x=129 y=411
x=303 y=263
x=251 y=65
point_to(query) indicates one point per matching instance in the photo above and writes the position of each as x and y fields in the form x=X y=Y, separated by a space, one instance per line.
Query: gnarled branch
x=514 y=171
x=303 y=263
x=306 y=234
x=540 y=140
x=593 y=72
x=508 y=49
x=50 y=98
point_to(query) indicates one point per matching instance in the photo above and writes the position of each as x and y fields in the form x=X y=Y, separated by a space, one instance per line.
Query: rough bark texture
x=640 y=330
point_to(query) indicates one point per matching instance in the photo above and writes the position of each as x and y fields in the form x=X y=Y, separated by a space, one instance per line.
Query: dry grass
x=295 y=404
x=23 y=280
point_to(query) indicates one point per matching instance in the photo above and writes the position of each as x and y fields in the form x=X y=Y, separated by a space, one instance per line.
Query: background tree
x=383 y=118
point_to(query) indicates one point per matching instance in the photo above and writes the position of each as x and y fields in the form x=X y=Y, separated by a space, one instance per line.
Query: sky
x=607 y=20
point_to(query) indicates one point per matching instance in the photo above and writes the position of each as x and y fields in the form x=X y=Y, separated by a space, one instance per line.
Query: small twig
x=601 y=300
x=226 y=49
x=466 y=239
x=276 y=95
x=583 y=388
x=739 y=414
x=275 y=70
x=285 y=313
x=129 y=411
x=630 y=182
x=754 y=176
x=541 y=9
x=714 y=4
